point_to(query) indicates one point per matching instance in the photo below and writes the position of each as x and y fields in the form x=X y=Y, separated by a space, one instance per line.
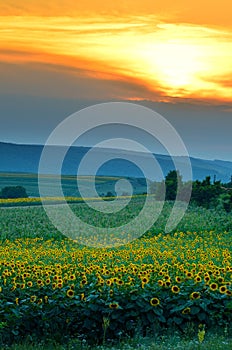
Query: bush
x=13 y=192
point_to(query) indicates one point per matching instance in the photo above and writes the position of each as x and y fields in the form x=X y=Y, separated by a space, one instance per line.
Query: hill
x=19 y=158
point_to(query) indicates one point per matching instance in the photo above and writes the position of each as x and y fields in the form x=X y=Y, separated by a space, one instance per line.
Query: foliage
x=32 y=221
x=204 y=193
x=13 y=192
x=225 y=201
x=169 y=185
x=166 y=340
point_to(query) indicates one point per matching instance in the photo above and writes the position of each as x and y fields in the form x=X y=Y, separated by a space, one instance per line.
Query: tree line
x=205 y=193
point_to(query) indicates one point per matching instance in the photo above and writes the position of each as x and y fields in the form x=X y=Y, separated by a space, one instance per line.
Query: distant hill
x=25 y=159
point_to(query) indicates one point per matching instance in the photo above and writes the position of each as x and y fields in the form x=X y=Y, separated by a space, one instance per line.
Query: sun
x=173 y=64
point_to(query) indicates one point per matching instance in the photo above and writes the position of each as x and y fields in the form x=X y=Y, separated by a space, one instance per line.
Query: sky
x=175 y=57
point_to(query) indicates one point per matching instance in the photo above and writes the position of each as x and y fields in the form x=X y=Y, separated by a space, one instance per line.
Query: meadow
x=54 y=288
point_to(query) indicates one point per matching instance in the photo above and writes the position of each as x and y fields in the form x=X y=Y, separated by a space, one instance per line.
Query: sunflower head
x=178 y=279
x=197 y=279
x=186 y=311
x=223 y=289
x=33 y=298
x=213 y=286
x=195 y=295
x=145 y=280
x=70 y=293
x=113 y=305
x=175 y=289
x=154 y=302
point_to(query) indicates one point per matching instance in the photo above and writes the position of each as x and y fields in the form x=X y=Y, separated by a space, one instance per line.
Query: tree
x=171 y=183
x=13 y=192
x=206 y=194
x=225 y=201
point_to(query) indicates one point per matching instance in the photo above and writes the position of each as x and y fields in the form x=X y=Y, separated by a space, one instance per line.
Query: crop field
x=103 y=184
x=51 y=285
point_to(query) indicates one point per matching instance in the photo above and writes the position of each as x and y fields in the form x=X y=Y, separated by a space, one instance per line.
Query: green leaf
x=195 y=310
x=177 y=320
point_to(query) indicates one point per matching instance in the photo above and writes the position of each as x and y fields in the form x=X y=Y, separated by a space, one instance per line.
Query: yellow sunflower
x=70 y=293
x=154 y=302
x=175 y=289
x=195 y=295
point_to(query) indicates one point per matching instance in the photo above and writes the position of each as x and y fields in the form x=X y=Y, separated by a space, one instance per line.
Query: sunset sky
x=173 y=56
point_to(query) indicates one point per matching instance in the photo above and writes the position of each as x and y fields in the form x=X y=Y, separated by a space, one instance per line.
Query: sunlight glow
x=174 y=60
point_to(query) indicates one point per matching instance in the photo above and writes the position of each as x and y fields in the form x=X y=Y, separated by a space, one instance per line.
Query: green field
x=103 y=184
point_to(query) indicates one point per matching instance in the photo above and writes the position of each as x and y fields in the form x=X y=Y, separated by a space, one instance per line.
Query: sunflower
x=154 y=302
x=30 y=283
x=189 y=274
x=72 y=286
x=70 y=293
x=186 y=311
x=113 y=305
x=220 y=279
x=33 y=298
x=120 y=282
x=206 y=278
x=195 y=295
x=175 y=289
x=213 y=286
x=229 y=293
x=12 y=288
x=222 y=289
x=197 y=279
x=178 y=279
x=145 y=280
x=167 y=283
x=160 y=283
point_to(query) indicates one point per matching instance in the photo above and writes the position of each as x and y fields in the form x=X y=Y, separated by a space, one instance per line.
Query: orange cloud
x=206 y=12
x=169 y=60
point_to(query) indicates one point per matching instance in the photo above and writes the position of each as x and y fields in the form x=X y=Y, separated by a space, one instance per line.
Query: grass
x=165 y=342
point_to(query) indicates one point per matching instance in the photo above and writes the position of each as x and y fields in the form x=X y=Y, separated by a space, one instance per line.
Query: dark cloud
x=205 y=129
x=59 y=81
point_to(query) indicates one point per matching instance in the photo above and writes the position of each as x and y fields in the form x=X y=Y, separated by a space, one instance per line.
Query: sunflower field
x=51 y=286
